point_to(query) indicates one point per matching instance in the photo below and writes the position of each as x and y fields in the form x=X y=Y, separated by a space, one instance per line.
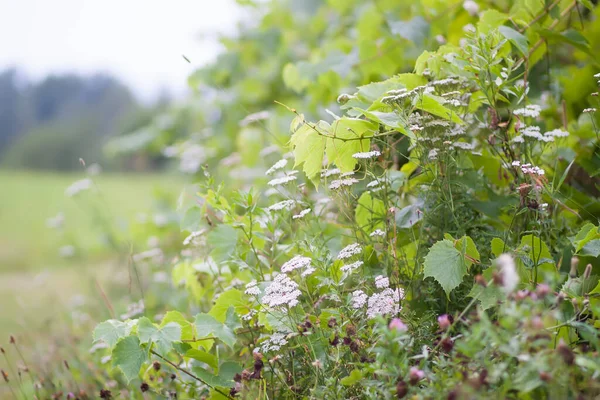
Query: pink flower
x=397 y=324
x=415 y=375
x=444 y=322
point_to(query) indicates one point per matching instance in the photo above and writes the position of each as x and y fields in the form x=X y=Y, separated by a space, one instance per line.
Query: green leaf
x=446 y=265
x=203 y=356
x=222 y=240
x=491 y=20
x=349 y=136
x=370 y=212
x=570 y=36
x=111 y=331
x=232 y=321
x=469 y=250
x=515 y=38
x=591 y=248
x=390 y=119
x=207 y=325
x=230 y=298
x=187 y=328
x=488 y=296
x=408 y=216
x=129 y=356
x=163 y=336
x=308 y=147
x=497 y=246
x=432 y=106
x=227 y=371
x=354 y=377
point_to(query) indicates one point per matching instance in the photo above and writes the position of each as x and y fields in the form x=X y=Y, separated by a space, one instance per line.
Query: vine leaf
x=163 y=336
x=230 y=298
x=207 y=325
x=445 y=264
x=308 y=148
x=515 y=38
x=432 y=106
x=222 y=240
x=187 y=328
x=111 y=331
x=129 y=356
x=349 y=136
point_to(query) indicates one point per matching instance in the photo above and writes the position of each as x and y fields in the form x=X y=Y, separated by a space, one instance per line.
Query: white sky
x=139 y=41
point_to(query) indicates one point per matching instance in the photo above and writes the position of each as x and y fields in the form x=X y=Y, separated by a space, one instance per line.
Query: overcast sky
x=140 y=41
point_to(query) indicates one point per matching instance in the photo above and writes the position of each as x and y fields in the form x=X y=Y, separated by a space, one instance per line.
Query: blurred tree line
x=50 y=124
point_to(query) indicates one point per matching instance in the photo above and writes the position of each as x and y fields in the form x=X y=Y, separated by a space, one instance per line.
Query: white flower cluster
x=282 y=180
x=281 y=205
x=557 y=133
x=78 y=186
x=295 y=263
x=531 y=110
x=352 y=266
x=329 y=172
x=373 y=184
x=386 y=302
x=281 y=292
x=252 y=289
x=590 y=110
x=463 y=145
x=382 y=282
x=528 y=168
x=433 y=154
x=134 y=309
x=367 y=155
x=534 y=133
x=508 y=272
x=359 y=299
x=277 y=166
x=273 y=343
x=338 y=183
x=377 y=232
x=301 y=214
x=349 y=251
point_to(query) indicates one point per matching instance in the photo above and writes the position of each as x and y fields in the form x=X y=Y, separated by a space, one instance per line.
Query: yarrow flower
x=359 y=299
x=366 y=155
x=433 y=153
x=589 y=110
x=373 y=184
x=518 y=139
x=384 y=303
x=329 y=172
x=557 y=133
x=282 y=181
x=273 y=343
x=349 y=251
x=252 y=289
x=301 y=214
x=338 y=183
x=377 y=232
x=531 y=110
x=382 y=282
x=529 y=169
x=308 y=271
x=295 y=263
x=463 y=145
x=281 y=292
x=277 y=166
x=281 y=205
x=351 y=267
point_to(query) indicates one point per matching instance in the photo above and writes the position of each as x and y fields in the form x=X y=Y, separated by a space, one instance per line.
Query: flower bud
x=444 y=322
x=397 y=324
x=415 y=375
x=574 y=264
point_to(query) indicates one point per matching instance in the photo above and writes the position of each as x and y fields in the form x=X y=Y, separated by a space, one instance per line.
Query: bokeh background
x=75 y=77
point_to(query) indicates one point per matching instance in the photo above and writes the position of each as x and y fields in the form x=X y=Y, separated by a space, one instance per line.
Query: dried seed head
x=66 y=364
x=401 y=389
x=12 y=339
x=4 y=375
x=144 y=387
x=332 y=322
x=156 y=365
x=351 y=330
x=105 y=394
x=565 y=352
x=480 y=280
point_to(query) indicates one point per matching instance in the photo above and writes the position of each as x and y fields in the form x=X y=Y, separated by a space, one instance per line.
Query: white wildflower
x=590 y=110
x=543 y=206
x=454 y=102
x=308 y=271
x=374 y=183
x=366 y=155
x=273 y=343
x=433 y=154
x=384 y=303
x=463 y=145
x=557 y=133
x=352 y=266
x=359 y=299
x=295 y=263
x=134 y=309
x=302 y=214
x=281 y=292
x=416 y=128
x=498 y=81
x=192 y=236
x=531 y=110
x=338 y=183
x=281 y=205
x=277 y=166
x=516 y=163
x=329 y=172
x=249 y=315
x=282 y=180
x=508 y=272
x=518 y=139
x=382 y=282
x=471 y=7
x=78 y=187
x=56 y=222
x=349 y=251
x=377 y=232
x=532 y=132
x=532 y=170
x=597 y=76
x=252 y=289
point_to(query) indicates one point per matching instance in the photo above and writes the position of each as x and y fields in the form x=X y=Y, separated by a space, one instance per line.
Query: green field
x=35 y=281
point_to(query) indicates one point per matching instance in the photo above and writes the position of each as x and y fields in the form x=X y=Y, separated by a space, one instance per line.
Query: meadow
x=33 y=274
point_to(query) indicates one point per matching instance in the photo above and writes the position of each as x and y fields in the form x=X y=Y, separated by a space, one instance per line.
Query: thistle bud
x=565 y=352
x=444 y=322
x=397 y=324
x=144 y=387
x=415 y=375
x=574 y=264
x=588 y=271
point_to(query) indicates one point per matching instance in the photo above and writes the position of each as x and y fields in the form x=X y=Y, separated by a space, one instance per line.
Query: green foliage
x=129 y=357
x=446 y=264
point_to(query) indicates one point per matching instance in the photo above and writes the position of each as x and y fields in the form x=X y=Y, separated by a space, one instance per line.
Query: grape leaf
x=187 y=328
x=111 y=331
x=515 y=38
x=163 y=336
x=129 y=356
x=230 y=298
x=347 y=139
x=207 y=325
x=308 y=147
x=432 y=106
x=446 y=265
